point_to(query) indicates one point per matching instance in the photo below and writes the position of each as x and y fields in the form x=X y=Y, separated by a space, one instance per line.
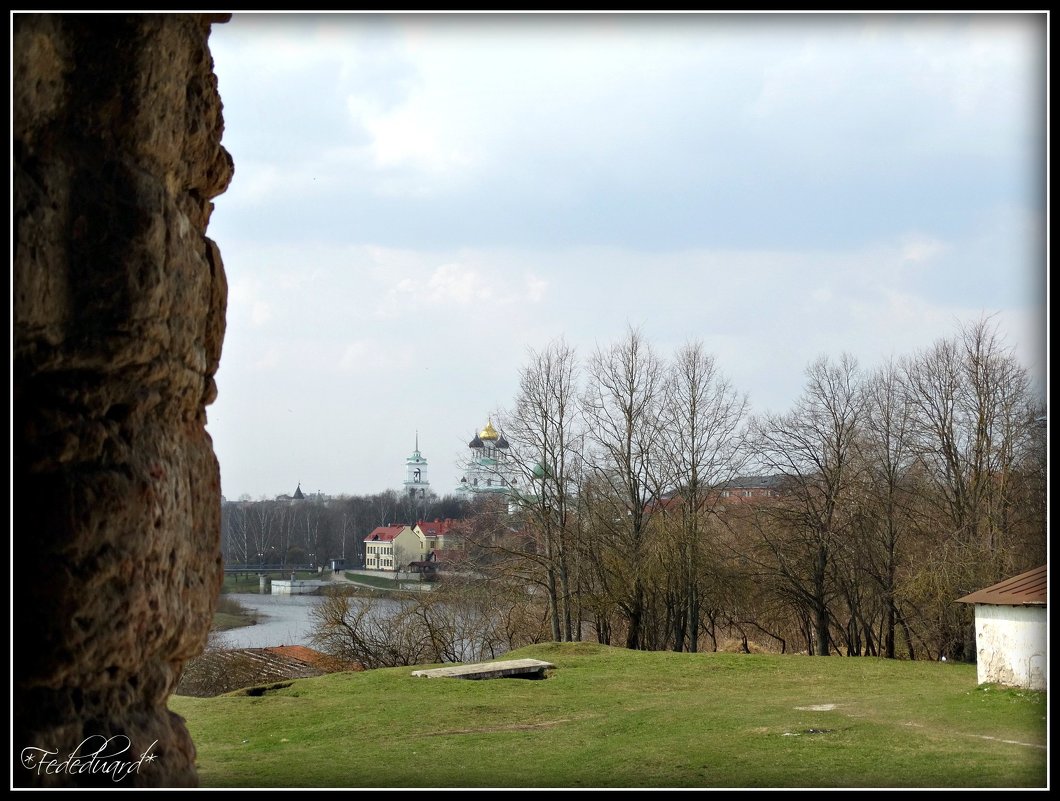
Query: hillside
x=608 y=717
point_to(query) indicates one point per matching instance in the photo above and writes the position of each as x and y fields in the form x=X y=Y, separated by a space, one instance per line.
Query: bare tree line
x=891 y=492
x=312 y=531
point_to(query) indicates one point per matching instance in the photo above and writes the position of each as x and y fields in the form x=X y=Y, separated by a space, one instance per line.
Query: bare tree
x=813 y=447
x=621 y=406
x=971 y=400
x=888 y=462
x=546 y=447
x=372 y=631
x=385 y=504
x=700 y=449
x=264 y=529
x=973 y=415
x=236 y=531
x=459 y=621
x=286 y=530
x=315 y=530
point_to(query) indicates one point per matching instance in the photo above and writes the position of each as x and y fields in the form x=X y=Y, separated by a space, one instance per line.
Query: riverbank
x=231 y=614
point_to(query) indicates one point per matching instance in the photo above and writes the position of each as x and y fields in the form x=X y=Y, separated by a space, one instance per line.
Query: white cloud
x=414 y=136
x=260 y=314
x=918 y=248
x=452 y=284
x=456 y=285
x=536 y=288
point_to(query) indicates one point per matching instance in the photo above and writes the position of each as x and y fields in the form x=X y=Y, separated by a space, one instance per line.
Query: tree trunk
x=680 y=621
x=564 y=583
x=553 y=604
x=821 y=609
x=888 y=630
x=635 y=617
x=693 y=620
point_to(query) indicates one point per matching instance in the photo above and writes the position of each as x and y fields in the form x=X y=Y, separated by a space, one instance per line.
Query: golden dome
x=489 y=432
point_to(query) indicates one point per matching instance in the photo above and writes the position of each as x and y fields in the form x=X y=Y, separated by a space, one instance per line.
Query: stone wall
x=119 y=307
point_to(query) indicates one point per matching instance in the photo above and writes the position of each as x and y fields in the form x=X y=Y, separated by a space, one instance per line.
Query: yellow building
x=393 y=547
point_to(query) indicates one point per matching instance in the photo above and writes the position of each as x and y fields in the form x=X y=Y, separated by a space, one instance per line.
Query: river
x=282 y=620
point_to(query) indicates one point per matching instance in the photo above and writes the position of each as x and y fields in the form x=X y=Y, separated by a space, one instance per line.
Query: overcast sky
x=420 y=199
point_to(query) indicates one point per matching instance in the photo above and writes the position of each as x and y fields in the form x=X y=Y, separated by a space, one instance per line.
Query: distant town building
x=749 y=488
x=397 y=547
x=439 y=535
x=298 y=496
x=387 y=546
x=316 y=497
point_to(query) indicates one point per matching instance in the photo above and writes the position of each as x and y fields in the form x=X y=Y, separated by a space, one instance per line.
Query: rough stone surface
x=119 y=304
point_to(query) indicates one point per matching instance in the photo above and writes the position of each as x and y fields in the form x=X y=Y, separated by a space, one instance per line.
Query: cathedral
x=489 y=466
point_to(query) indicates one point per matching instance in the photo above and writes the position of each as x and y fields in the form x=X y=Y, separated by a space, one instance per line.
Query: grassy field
x=608 y=717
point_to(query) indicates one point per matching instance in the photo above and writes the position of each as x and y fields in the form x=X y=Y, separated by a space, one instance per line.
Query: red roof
x=320 y=661
x=435 y=528
x=384 y=534
x=1026 y=589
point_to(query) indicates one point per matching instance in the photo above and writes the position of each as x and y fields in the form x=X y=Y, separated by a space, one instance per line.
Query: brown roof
x=1026 y=589
x=313 y=658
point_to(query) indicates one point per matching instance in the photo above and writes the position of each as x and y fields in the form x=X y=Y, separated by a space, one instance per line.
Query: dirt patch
x=817 y=708
x=255 y=692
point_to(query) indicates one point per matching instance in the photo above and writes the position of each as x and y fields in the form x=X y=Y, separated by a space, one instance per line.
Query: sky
x=421 y=200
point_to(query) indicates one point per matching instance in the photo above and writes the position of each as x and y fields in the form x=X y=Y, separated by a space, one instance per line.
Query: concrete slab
x=509 y=668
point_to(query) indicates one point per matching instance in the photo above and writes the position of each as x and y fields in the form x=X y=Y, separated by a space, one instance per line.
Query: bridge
x=268 y=570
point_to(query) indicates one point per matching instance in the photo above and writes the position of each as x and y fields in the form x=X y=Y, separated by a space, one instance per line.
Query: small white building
x=1010 y=630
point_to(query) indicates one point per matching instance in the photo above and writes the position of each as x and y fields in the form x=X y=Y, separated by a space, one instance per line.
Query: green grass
x=608 y=717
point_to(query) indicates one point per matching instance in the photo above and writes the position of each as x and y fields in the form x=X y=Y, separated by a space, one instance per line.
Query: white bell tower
x=416 y=484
